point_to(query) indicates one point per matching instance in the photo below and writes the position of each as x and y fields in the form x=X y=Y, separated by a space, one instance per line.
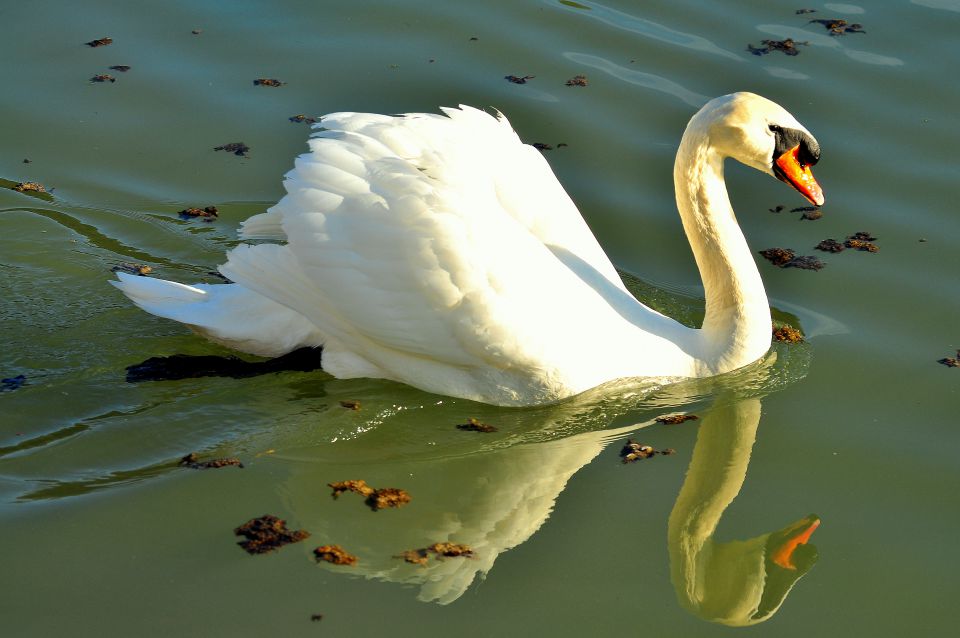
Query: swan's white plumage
x=440 y=251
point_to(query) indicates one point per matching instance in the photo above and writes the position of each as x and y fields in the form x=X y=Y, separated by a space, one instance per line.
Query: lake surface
x=103 y=534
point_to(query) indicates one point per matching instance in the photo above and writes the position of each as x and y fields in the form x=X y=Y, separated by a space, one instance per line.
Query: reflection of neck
x=714 y=478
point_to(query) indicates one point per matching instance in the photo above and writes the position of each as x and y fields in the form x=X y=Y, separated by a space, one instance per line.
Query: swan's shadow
x=186 y=366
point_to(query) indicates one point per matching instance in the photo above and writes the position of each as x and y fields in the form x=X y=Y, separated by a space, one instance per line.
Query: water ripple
x=639 y=78
x=647 y=29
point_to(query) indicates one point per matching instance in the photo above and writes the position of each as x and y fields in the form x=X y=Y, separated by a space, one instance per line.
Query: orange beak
x=799 y=535
x=789 y=169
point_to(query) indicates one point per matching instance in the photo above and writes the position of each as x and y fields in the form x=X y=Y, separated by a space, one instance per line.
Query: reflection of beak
x=789 y=169
x=794 y=536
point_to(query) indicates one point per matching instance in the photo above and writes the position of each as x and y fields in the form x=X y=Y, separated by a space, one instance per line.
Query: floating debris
x=103 y=77
x=193 y=461
x=950 y=362
x=862 y=241
x=540 y=146
x=208 y=213
x=518 y=79
x=32 y=187
x=376 y=499
x=237 y=148
x=334 y=554
x=787 y=334
x=316 y=617
x=788 y=46
x=27 y=160
x=633 y=451
x=268 y=82
x=838 y=26
x=123 y=68
x=350 y=405
x=133 y=269
x=99 y=42
x=474 y=38
x=473 y=425
x=303 y=118
x=673 y=419
x=387 y=497
x=830 y=246
x=809 y=212
x=415 y=556
x=197 y=31
x=577 y=80
x=803 y=11
x=442 y=550
x=786 y=258
x=12 y=383
x=266 y=534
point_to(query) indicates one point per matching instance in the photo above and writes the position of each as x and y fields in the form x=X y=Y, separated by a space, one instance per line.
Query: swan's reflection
x=740 y=582
x=493 y=499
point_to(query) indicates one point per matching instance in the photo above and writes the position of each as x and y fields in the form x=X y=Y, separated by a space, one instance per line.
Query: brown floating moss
x=786 y=258
x=334 y=554
x=376 y=499
x=838 y=26
x=208 y=213
x=303 y=118
x=123 y=68
x=862 y=240
x=517 y=79
x=33 y=187
x=99 y=42
x=577 y=80
x=788 y=46
x=787 y=334
x=951 y=362
x=193 y=461
x=266 y=534
x=268 y=82
x=350 y=405
x=673 y=419
x=830 y=246
x=133 y=269
x=387 y=497
x=473 y=425
x=441 y=550
x=103 y=77
x=633 y=451
x=237 y=148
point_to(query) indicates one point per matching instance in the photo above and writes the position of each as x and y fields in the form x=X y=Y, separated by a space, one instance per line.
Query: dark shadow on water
x=185 y=366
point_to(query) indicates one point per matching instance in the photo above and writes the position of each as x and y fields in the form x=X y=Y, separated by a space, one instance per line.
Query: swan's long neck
x=736 y=329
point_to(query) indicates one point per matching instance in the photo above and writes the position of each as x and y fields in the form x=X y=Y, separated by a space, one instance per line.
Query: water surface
x=104 y=535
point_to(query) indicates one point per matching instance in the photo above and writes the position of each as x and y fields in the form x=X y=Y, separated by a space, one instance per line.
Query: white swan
x=441 y=252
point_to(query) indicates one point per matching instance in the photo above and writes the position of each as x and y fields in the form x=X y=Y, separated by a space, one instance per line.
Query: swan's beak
x=789 y=169
x=792 y=537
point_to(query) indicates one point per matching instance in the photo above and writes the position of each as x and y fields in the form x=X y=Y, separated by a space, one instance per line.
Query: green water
x=101 y=532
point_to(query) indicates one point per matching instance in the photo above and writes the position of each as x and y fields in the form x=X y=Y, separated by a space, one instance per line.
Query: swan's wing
x=413 y=253
x=457 y=148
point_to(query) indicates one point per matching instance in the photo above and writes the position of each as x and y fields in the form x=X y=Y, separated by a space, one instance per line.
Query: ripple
x=648 y=80
x=946 y=5
x=648 y=29
x=850 y=9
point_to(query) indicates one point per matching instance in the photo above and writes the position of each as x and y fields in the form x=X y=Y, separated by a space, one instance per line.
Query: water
x=104 y=535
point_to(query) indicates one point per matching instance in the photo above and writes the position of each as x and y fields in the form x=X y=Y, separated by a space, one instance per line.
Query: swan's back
x=442 y=252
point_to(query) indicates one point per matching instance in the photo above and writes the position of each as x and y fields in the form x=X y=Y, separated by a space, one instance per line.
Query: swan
x=441 y=252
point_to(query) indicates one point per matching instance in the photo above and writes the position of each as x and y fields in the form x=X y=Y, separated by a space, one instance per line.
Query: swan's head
x=762 y=134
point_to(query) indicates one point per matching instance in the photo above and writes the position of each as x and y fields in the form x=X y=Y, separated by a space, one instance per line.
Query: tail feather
x=229 y=314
